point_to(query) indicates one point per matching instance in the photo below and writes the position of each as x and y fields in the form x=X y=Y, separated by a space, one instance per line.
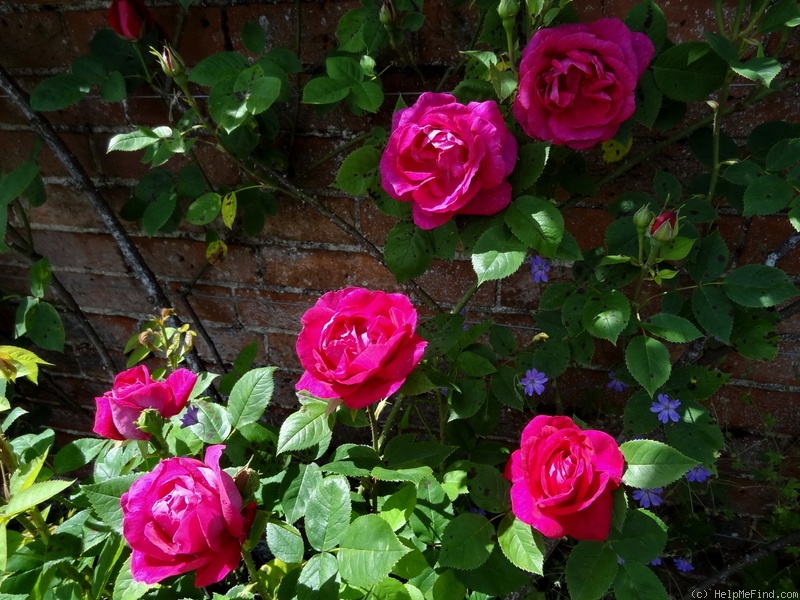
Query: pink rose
x=134 y=391
x=358 y=345
x=447 y=159
x=185 y=515
x=129 y=18
x=562 y=478
x=576 y=81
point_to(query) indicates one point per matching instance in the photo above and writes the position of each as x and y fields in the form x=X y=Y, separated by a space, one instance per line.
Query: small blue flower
x=648 y=498
x=665 y=407
x=655 y=562
x=683 y=565
x=533 y=382
x=698 y=474
x=539 y=268
x=477 y=511
x=620 y=560
x=614 y=383
x=189 y=418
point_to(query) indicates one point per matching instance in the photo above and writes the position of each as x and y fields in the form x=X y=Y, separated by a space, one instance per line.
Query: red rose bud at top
x=665 y=226
x=562 y=477
x=129 y=18
x=387 y=14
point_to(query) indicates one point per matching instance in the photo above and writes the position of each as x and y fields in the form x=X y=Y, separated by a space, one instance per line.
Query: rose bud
x=387 y=14
x=129 y=18
x=665 y=226
x=508 y=9
x=642 y=218
x=171 y=62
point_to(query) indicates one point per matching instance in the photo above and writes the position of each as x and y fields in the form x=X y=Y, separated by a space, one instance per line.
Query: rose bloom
x=185 y=515
x=133 y=392
x=129 y=18
x=562 y=478
x=358 y=345
x=448 y=158
x=577 y=81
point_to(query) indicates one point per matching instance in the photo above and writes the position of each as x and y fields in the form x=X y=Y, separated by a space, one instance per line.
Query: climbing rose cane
x=358 y=345
x=448 y=158
x=185 y=515
x=577 y=81
x=562 y=478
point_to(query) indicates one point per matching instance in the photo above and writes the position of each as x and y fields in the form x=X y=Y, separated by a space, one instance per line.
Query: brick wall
x=260 y=291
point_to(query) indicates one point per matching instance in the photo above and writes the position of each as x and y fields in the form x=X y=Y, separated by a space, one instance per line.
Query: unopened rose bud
x=642 y=218
x=129 y=18
x=664 y=227
x=246 y=482
x=508 y=9
x=171 y=62
x=387 y=15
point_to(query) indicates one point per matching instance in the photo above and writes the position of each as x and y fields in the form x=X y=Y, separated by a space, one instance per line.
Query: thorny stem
x=387 y=426
x=718 y=109
x=337 y=151
x=255 y=575
x=373 y=427
x=459 y=306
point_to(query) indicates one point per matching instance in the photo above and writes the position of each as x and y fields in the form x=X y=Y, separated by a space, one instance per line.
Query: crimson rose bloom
x=129 y=18
x=358 y=345
x=185 y=515
x=447 y=159
x=562 y=478
x=133 y=392
x=576 y=81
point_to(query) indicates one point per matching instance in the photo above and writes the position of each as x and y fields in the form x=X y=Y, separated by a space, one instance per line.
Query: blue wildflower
x=683 y=565
x=655 y=562
x=665 y=407
x=648 y=498
x=539 y=268
x=620 y=560
x=533 y=382
x=614 y=383
x=189 y=418
x=698 y=474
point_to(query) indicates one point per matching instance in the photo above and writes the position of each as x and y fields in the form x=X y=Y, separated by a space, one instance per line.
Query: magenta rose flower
x=133 y=392
x=358 y=345
x=577 y=81
x=129 y=18
x=562 y=478
x=448 y=158
x=185 y=515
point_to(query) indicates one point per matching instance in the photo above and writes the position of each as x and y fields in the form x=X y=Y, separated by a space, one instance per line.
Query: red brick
x=97 y=252
x=447 y=282
x=322 y=270
x=213 y=304
x=588 y=226
x=229 y=341
x=96 y=292
x=282 y=351
x=34 y=39
x=765 y=235
x=301 y=222
x=273 y=311
x=743 y=408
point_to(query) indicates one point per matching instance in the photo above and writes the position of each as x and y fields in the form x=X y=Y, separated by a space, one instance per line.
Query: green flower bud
x=171 y=62
x=387 y=15
x=508 y=9
x=643 y=217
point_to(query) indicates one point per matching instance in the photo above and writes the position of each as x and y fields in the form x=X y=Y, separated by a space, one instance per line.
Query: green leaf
x=33 y=496
x=308 y=426
x=136 y=140
x=531 y=160
x=77 y=454
x=695 y=435
x=358 y=171
x=521 y=544
x=319 y=579
x=785 y=13
x=467 y=542
x=783 y=155
x=212 y=422
x=432 y=513
x=591 y=569
x=496 y=577
x=642 y=537
x=758 y=286
x=158 y=213
x=413 y=474
x=106 y=562
x=408 y=251
x=285 y=542
x=767 y=195
x=404 y=451
x=672 y=328
x=113 y=88
x=324 y=90
x=229 y=209
x=636 y=581
x=713 y=311
x=398 y=508
x=367 y=95
x=488 y=489
x=537 y=223
x=15 y=183
x=328 y=513
x=648 y=361
x=302 y=481
x=254 y=37
x=606 y=315
x=344 y=69
x=474 y=364
x=497 y=254
x=551 y=358
x=652 y=464
x=104 y=498
x=125 y=587
x=647 y=17
x=368 y=551
x=651 y=98
x=676 y=249
x=217 y=67
x=43 y=325
x=250 y=397
x=205 y=209
x=58 y=92
x=689 y=71
x=41 y=274
x=712 y=259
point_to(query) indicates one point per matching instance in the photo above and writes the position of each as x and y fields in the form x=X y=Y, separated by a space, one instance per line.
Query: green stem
x=443 y=402
x=334 y=153
x=147 y=74
x=387 y=426
x=373 y=427
x=255 y=575
x=459 y=306
x=716 y=134
x=508 y=25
